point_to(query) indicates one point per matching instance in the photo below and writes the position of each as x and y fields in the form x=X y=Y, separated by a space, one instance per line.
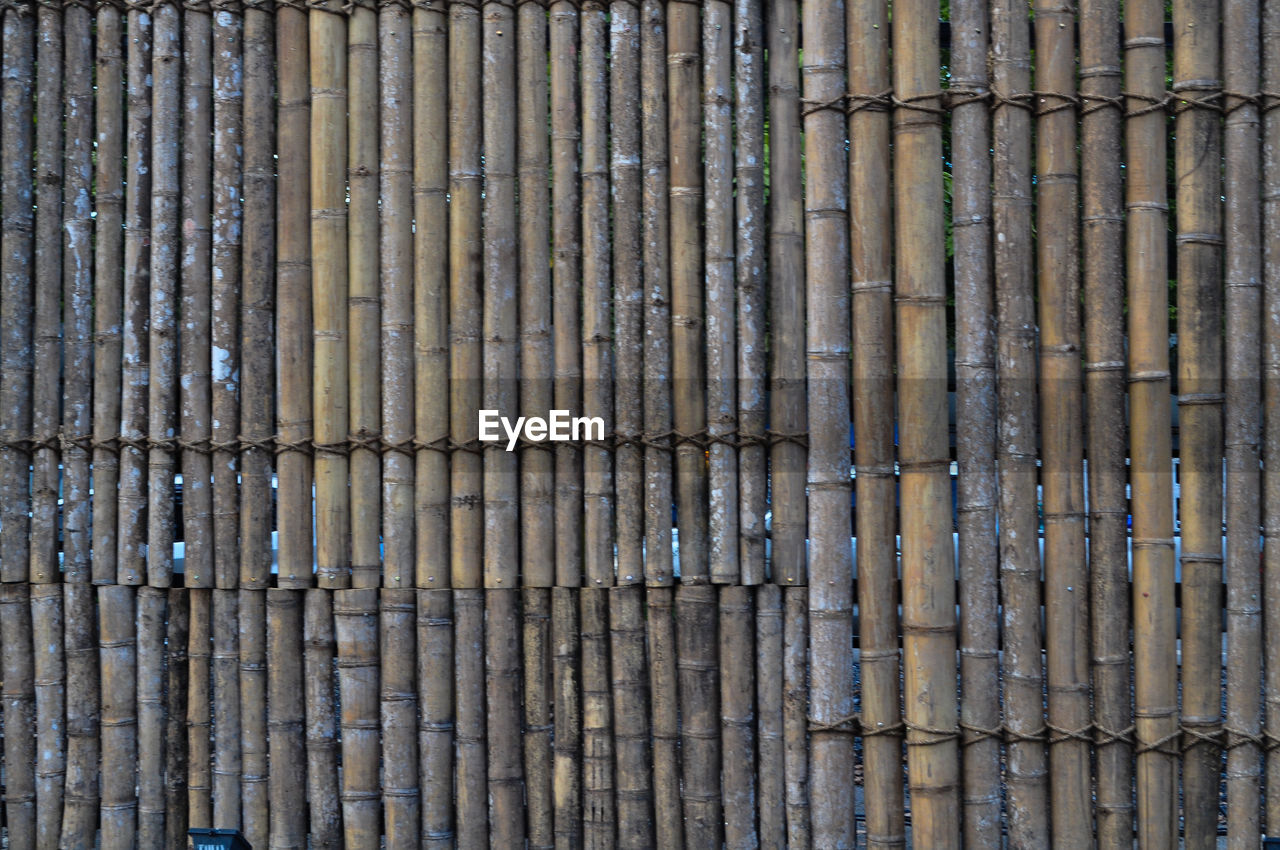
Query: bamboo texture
x=660 y=640
x=1270 y=189
x=504 y=719
x=435 y=638
x=355 y=623
x=49 y=684
x=228 y=765
x=599 y=815
x=699 y=687
x=321 y=720
x=630 y=717
x=152 y=603
x=177 y=638
x=737 y=710
x=471 y=777
x=255 y=773
x=287 y=784
x=80 y=795
x=566 y=776
x=118 y=658
x=199 y=707
x=538 y=727
x=397 y=646
x=770 y=750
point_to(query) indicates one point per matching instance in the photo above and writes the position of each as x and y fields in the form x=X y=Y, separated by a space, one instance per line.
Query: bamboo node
x=1201 y=398
x=1153 y=376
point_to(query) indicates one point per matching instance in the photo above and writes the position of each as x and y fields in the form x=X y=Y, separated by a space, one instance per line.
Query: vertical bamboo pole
x=771 y=784
x=50 y=687
x=500 y=385
x=47 y=278
x=80 y=799
x=293 y=300
x=287 y=784
x=152 y=732
x=1102 y=241
x=749 y=249
x=536 y=638
x=504 y=717
x=319 y=688
x=1146 y=262
x=787 y=409
x=117 y=650
x=257 y=303
x=176 y=639
x=362 y=301
x=1016 y=446
x=16 y=299
x=630 y=717
x=252 y=688
x=227 y=765
x=396 y=264
x=871 y=264
x=77 y=294
x=566 y=765
x=436 y=720
x=471 y=778
x=655 y=259
x=827 y=299
x=699 y=688
x=396 y=638
x=200 y=355
x=597 y=313
x=660 y=642
x=199 y=708
x=599 y=814
x=1243 y=272
x=355 y=624
x=795 y=714
x=1270 y=191
x=430 y=299
x=625 y=179
x=737 y=710
x=225 y=253
x=566 y=280
x=1198 y=166
x=720 y=279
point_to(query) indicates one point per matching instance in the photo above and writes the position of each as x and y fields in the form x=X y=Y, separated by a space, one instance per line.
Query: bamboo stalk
x=397 y=641
x=504 y=718
x=47 y=279
x=827 y=299
x=201 y=357
x=737 y=708
x=436 y=721
x=80 y=797
x=771 y=784
x=17 y=271
x=1102 y=242
x=319 y=687
x=1146 y=261
x=329 y=291
x=471 y=778
x=749 y=249
x=795 y=714
x=1270 y=192
x=118 y=721
x=177 y=638
x=566 y=790
x=699 y=684
x=152 y=725
x=287 y=785
x=257 y=303
x=1198 y=166
x=355 y=624
x=252 y=686
x=362 y=301
x=228 y=149
x=787 y=410
x=199 y=708
x=50 y=688
x=660 y=641
x=537 y=716
x=626 y=180
x=431 y=313
x=655 y=260
x=1243 y=272
x=396 y=258
x=599 y=814
x=871 y=264
x=227 y=765
x=566 y=280
x=630 y=717
x=537 y=463
x=1016 y=427
x=293 y=300
x=597 y=312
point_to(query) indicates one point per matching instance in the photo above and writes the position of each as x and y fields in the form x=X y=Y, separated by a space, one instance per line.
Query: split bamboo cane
x=118 y=659
x=599 y=814
x=737 y=714
x=227 y=764
x=287 y=782
x=504 y=717
x=254 y=754
x=80 y=796
x=630 y=717
x=355 y=624
x=176 y=672
x=566 y=789
x=199 y=707
x=660 y=642
x=536 y=641
x=471 y=778
x=50 y=686
x=152 y=731
x=319 y=689
x=400 y=788
x=436 y=721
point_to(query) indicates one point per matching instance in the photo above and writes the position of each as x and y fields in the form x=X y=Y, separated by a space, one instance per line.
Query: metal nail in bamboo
x=504 y=717
x=254 y=754
x=355 y=622
x=599 y=814
x=321 y=721
x=770 y=783
x=795 y=714
x=1146 y=266
x=1102 y=243
x=118 y=720
x=227 y=762
x=630 y=731
x=660 y=643
x=397 y=638
x=597 y=297
x=787 y=408
x=470 y=800
x=199 y=707
x=1270 y=190
x=828 y=348
x=720 y=280
x=737 y=714
x=699 y=688
x=80 y=794
x=152 y=732
x=176 y=673
x=1023 y=678
x=436 y=717
x=566 y=765
x=363 y=294
x=327 y=28
x=50 y=686
x=871 y=267
x=287 y=782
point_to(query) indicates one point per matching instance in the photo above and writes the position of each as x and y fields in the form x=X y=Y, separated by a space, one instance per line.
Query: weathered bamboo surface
x=920 y=367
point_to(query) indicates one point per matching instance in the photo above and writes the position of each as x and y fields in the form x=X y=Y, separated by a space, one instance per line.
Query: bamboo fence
x=936 y=363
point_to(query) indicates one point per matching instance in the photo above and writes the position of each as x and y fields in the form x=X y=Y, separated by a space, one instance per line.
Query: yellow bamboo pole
x=287 y=782
x=321 y=729
x=356 y=628
x=254 y=754
x=435 y=724
x=400 y=789
x=151 y=613
x=227 y=763
x=471 y=786
x=117 y=657
x=660 y=642
x=699 y=687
